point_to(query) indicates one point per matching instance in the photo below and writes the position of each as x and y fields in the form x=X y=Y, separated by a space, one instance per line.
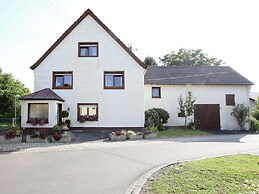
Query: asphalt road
x=108 y=170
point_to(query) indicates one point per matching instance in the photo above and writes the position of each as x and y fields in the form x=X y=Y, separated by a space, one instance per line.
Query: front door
x=59 y=109
x=207 y=116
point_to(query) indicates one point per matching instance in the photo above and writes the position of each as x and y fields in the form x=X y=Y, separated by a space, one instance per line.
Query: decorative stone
x=150 y=136
x=13 y=140
x=35 y=140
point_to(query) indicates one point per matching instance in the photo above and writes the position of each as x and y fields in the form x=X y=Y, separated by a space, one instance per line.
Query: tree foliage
x=189 y=57
x=10 y=89
x=150 y=61
x=241 y=113
x=186 y=106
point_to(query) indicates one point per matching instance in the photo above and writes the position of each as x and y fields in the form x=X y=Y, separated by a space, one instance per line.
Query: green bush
x=254 y=124
x=163 y=114
x=241 y=113
x=255 y=113
x=156 y=117
x=151 y=118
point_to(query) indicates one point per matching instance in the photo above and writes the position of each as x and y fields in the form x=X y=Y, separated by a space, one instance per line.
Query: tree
x=189 y=57
x=241 y=113
x=186 y=106
x=10 y=90
x=150 y=61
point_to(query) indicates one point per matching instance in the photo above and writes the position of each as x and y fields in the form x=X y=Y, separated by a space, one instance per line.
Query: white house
x=92 y=74
x=215 y=89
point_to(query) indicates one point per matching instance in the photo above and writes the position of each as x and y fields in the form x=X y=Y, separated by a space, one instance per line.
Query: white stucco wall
x=52 y=116
x=117 y=108
x=204 y=94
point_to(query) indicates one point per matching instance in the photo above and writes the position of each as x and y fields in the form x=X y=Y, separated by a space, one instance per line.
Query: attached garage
x=207 y=116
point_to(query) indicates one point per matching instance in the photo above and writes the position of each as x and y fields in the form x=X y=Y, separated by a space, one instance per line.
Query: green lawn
x=181 y=133
x=230 y=174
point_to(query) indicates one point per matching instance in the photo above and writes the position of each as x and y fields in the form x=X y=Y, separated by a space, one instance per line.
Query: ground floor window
x=87 y=112
x=38 y=111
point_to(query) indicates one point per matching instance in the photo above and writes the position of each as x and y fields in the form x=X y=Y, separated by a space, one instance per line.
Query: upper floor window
x=114 y=80
x=88 y=49
x=62 y=80
x=230 y=99
x=156 y=92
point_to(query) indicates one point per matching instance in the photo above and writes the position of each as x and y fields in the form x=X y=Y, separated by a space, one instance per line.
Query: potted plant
x=64 y=114
x=33 y=121
x=150 y=132
x=13 y=135
x=134 y=136
x=57 y=132
x=38 y=136
x=118 y=135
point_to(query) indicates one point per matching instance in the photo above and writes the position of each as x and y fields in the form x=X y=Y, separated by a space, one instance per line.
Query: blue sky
x=227 y=30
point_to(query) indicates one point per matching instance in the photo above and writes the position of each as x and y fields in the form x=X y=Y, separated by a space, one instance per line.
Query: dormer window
x=62 y=80
x=88 y=49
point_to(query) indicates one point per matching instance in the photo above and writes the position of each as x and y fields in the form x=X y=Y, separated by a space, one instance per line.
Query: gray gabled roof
x=44 y=94
x=212 y=75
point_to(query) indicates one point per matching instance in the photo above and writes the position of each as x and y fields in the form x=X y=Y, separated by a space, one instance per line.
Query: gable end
x=86 y=13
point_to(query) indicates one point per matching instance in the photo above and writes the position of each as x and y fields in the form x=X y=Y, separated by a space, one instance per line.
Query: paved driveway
x=107 y=167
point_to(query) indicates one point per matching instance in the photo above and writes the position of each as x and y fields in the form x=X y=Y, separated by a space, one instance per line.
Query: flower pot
x=66 y=137
x=135 y=137
x=150 y=136
x=35 y=140
x=57 y=136
x=118 y=137
x=13 y=140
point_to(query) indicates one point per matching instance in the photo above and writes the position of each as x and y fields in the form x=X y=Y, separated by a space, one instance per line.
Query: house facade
x=99 y=79
x=216 y=91
x=92 y=74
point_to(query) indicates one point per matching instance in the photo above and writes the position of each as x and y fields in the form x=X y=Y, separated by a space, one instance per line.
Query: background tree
x=150 y=61
x=186 y=106
x=10 y=89
x=189 y=57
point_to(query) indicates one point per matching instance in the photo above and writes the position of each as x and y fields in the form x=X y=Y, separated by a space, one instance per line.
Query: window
x=156 y=92
x=39 y=111
x=62 y=80
x=88 y=49
x=230 y=99
x=114 y=80
x=87 y=112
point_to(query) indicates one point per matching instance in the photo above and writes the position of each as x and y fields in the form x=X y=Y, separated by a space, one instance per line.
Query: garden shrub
x=255 y=113
x=13 y=132
x=241 y=113
x=151 y=118
x=163 y=114
x=156 y=117
x=254 y=124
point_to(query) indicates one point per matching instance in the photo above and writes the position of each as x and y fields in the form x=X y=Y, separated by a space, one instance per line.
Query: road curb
x=137 y=185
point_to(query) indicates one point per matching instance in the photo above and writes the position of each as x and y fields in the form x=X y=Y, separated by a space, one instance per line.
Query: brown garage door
x=208 y=116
